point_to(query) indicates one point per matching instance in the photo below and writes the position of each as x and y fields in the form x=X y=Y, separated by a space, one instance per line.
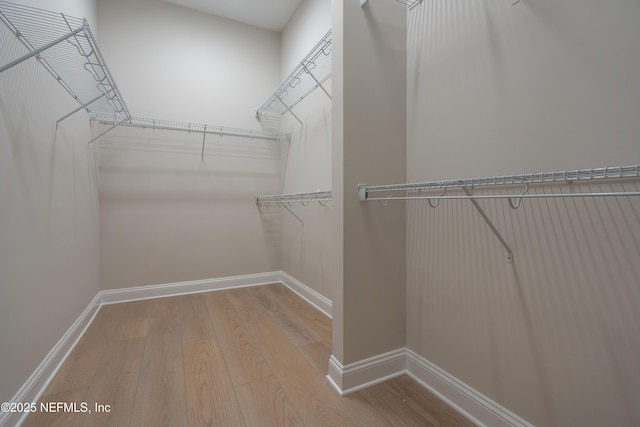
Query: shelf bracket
x=40 y=50
x=204 y=136
x=283 y=204
x=115 y=125
x=316 y=80
x=85 y=105
x=489 y=223
x=288 y=109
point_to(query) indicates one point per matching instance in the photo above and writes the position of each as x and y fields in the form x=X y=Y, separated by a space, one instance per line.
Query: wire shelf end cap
x=362 y=192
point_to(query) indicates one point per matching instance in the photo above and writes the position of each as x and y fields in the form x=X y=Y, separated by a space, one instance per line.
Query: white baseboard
x=365 y=373
x=470 y=403
x=182 y=288
x=35 y=385
x=33 y=388
x=320 y=302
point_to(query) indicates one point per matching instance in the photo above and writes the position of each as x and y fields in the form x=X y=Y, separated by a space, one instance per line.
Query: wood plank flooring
x=253 y=356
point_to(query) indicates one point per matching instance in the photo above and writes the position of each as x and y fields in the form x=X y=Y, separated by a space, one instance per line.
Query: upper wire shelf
x=320 y=196
x=205 y=129
x=310 y=74
x=68 y=49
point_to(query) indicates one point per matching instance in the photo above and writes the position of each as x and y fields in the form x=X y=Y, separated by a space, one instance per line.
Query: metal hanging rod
x=310 y=74
x=67 y=48
x=615 y=173
x=156 y=124
x=320 y=196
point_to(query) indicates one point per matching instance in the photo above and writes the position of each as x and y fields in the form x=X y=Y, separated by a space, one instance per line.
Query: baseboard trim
x=36 y=384
x=469 y=402
x=116 y=296
x=474 y=405
x=367 y=372
x=317 y=300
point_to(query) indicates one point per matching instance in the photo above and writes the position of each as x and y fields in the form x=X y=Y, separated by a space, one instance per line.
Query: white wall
x=311 y=21
x=77 y=8
x=49 y=229
x=306 y=240
x=166 y=215
x=175 y=63
x=540 y=86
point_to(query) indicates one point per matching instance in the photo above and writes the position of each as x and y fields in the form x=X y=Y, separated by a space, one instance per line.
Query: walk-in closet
x=319 y=212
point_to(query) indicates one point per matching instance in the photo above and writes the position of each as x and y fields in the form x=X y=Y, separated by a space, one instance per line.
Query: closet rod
x=156 y=124
x=320 y=196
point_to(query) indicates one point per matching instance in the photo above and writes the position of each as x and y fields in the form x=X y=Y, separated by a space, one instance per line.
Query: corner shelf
x=67 y=48
x=309 y=75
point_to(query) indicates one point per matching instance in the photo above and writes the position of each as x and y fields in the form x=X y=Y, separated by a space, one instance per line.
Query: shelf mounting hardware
x=493 y=228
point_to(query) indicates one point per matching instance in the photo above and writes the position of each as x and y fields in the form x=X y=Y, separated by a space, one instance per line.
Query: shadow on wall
x=53 y=173
x=553 y=336
x=49 y=231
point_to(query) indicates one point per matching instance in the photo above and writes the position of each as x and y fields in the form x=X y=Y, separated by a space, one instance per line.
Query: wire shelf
x=410 y=3
x=156 y=124
x=615 y=172
x=413 y=191
x=310 y=74
x=320 y=196
x=68 y=49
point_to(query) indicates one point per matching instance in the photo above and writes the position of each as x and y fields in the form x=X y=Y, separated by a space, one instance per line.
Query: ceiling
x=268 y=14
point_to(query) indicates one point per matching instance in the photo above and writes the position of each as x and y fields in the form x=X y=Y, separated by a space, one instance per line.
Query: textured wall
x=498 y=89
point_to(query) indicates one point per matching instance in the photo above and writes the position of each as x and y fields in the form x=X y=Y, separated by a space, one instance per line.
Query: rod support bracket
x=362 y=192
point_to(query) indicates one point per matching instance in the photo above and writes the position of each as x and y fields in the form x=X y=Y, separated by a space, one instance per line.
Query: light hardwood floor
x=253 y=356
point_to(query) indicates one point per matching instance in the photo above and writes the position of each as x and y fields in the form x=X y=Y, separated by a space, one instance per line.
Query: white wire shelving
x=414 y=191
x=409 y=3
x=67 y=48
x=205 y=129
x=310 y=74
x=319 y=196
